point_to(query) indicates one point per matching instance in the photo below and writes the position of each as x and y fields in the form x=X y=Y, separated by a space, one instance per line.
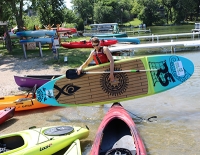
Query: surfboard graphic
x=160 y=73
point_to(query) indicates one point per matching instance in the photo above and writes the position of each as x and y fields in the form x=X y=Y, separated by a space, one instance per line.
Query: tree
x=5 y=14
x=149 y=13
x=50 y=11
x=83 y=8
x=103 y=14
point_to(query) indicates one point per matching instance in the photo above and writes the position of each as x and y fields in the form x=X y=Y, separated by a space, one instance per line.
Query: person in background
x=99 y=55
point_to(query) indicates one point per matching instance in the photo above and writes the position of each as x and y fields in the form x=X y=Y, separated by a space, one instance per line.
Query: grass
x=75 y=56
x=134 y=22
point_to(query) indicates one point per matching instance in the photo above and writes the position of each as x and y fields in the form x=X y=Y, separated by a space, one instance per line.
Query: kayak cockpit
x=117 y=137
x=11 y=143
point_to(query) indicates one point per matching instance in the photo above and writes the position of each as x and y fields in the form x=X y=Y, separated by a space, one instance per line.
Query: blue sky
x=68 y=4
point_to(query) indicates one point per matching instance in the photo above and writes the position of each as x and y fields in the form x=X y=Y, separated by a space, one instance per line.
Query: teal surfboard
x=134 y=78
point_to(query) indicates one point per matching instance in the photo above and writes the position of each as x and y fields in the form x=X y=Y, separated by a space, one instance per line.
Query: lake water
x=176 y=130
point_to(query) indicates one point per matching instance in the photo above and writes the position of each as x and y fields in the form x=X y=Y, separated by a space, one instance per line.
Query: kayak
x=74 y=149
x=37 y=33
x=6 y=114
x=41 y=40
x=87 y=44
x=21 y=102
x=117 y=35
x=125 y=39
x=30 y=81
x=117 y=134
x=41 y=141
x=63 y=29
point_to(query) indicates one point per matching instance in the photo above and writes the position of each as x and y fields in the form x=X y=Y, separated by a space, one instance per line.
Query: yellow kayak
x=41 y=141
x=74 y=149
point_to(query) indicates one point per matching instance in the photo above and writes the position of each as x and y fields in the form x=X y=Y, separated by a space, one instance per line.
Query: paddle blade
x=72 y=74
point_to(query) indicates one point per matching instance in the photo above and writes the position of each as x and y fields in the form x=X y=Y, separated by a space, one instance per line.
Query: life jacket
x=99 y=57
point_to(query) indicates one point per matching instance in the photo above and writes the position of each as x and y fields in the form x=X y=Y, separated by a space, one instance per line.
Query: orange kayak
x=21 y=102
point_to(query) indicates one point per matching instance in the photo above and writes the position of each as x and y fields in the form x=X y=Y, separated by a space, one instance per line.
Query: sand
x=10 y=66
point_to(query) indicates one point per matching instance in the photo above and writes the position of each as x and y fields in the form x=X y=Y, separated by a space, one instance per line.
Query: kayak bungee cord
x=148 y=119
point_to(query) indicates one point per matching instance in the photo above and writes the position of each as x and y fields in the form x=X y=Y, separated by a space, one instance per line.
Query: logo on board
x=43 y=94
x=168 y=73
x=118 y=87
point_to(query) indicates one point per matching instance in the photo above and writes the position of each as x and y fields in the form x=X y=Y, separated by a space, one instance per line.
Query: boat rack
x=158 y=37
x=24 y=49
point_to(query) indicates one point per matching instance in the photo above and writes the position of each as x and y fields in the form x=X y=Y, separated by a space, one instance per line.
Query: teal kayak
x=37 y=33
x=124 y=39
x=117 y=35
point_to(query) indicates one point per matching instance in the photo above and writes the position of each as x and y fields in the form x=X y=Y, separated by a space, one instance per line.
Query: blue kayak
x=124 y=39
x=42 y=40
x=117 y=35
x=37 y=33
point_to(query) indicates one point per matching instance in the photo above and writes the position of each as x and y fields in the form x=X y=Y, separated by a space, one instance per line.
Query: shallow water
x=175 y=131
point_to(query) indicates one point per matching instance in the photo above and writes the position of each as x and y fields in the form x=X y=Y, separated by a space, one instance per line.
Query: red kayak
x=6 y=114
x=87 y=44
x=117 y=134
x=71 y=30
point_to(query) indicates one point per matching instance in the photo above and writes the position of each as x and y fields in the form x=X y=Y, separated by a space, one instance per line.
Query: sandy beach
x=15 y=66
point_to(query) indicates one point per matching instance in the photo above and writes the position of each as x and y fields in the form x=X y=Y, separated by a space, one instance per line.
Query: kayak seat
x=119 y=151
x=11 y=143
x=117 y=135
x=126 y=142
x=83 y=41
x=22 y=99
x=3 y=148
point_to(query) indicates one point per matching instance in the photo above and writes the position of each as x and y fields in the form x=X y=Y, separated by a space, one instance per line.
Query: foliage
x=103 y=14
x=30 y=22
x=50 y=11
x=83 y=8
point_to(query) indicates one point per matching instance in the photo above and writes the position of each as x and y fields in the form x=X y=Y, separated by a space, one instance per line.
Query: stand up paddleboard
x=134 y=78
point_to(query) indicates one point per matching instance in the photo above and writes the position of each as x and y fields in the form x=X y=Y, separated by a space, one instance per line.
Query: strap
x=97 y=57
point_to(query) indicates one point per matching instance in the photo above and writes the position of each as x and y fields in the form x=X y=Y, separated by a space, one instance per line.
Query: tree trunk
x=8 y=40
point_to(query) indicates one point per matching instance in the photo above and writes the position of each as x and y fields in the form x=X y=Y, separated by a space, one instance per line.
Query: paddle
x=72 y=74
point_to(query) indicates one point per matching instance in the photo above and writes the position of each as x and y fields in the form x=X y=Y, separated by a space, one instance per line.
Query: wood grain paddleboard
x=96 y=89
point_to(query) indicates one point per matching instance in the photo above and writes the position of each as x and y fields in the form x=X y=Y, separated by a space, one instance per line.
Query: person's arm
x=86 y=63
x=109 y=56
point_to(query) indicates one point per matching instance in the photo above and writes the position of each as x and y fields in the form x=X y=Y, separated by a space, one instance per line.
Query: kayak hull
x=87 y=44
x=116 y=131
x=30 y=81
x=117 y=35
x=40 y=141
x=6 y=114
x=21 y=102
x=37 y=33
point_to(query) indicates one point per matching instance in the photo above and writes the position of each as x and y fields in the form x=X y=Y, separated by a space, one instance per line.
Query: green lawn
x=75 y=56
x=134 y=22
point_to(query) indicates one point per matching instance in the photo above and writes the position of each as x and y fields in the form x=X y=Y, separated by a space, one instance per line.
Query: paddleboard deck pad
x=95 y=89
